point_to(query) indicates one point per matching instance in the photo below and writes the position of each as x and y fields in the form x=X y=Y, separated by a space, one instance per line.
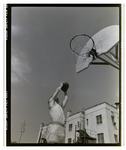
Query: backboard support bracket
x=106 y=45
x=107 y=62
x=112 y=56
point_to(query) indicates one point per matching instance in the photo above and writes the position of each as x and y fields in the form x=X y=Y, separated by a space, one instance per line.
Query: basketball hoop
x=83 y=47
x=80 y=47
x=104 y=45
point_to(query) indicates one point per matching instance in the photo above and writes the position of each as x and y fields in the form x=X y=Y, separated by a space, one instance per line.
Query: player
x=56 y=130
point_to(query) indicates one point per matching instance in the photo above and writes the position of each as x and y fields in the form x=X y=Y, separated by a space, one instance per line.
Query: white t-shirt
x=57 y=114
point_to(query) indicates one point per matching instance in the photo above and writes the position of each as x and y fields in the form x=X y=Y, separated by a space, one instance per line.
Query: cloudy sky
x=41 y=58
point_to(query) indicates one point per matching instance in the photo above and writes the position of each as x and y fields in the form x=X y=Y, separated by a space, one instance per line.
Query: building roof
x=100 y=104
x=92 y=107
x=76 y=113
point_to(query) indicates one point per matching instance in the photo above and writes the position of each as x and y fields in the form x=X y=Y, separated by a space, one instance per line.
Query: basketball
x=65 y=86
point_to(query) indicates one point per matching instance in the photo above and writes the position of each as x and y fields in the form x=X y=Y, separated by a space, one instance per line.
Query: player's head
x=57 y=100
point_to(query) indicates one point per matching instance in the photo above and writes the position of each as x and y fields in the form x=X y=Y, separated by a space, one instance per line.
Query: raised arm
x=57 y=91
x=65 y=100
x=51 y=101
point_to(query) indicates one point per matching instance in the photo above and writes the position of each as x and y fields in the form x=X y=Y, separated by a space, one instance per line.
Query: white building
x=101 y=123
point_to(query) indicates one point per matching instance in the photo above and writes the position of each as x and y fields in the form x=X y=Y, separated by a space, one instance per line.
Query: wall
x=106 y=127
x=74 y=119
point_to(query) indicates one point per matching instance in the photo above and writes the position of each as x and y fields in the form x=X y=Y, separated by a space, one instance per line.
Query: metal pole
x=84 y=124
x=20 y=138
x=116 y=51
x=75 y=133
x=22 y=130
x=40 y=132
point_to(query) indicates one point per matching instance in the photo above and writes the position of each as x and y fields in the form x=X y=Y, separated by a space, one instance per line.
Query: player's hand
x=60 y=86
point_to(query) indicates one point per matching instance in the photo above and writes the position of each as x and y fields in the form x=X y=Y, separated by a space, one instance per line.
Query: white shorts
x=55 y=134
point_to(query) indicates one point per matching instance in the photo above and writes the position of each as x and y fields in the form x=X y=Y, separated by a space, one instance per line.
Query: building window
x=99 y=119
x=69 y=140
x=87 y=121
x=116 y=138
x=70 y=127
x=100 y=138
x=113 y=122
x=112 y=117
